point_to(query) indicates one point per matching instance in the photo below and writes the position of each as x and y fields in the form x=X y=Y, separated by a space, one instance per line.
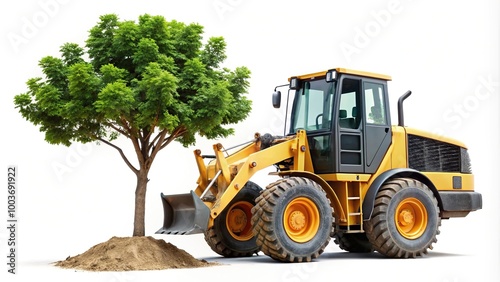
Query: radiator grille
x=430 y=155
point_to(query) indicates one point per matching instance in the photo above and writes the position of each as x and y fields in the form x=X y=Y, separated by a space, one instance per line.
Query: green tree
x=152 y=81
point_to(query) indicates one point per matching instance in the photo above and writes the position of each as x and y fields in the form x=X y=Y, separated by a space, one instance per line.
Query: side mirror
x=276 y=99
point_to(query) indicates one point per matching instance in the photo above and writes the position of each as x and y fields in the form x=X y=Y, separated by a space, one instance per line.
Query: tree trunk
x=140 y=203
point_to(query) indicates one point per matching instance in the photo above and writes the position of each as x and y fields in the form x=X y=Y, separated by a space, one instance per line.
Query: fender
x=369 y=201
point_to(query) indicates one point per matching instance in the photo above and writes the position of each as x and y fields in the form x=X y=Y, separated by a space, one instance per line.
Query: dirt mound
x=132 y=253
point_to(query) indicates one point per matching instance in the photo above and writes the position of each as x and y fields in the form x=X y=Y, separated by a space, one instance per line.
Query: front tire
x=231 y=235
x=292 y=220
x=405 y=219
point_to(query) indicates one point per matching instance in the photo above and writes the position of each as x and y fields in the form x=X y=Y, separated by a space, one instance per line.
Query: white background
x=446 y=52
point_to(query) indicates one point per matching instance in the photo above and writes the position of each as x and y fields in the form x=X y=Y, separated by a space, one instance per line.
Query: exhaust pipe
x=401 y=118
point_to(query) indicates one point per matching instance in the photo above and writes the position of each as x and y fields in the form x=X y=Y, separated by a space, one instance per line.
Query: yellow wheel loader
x=344 y=172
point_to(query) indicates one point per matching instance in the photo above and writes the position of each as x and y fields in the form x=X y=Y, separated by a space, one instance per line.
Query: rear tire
x=405 y=219
x=292 y=220
x=231 y=235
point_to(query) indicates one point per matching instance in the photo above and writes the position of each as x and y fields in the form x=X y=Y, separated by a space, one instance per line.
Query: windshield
x=312 y=106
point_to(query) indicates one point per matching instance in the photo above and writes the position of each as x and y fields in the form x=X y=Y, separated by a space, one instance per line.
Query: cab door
x=377 y=123
x=363 y=124
x=349 y=141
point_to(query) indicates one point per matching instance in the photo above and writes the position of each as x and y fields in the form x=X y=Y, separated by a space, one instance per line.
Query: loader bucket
x=184 y=214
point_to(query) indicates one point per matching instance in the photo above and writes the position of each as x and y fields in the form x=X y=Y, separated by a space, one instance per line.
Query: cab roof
x=346 y=71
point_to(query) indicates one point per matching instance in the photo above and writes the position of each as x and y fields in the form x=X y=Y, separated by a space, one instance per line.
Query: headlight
x=331 y=76
x=294 y=83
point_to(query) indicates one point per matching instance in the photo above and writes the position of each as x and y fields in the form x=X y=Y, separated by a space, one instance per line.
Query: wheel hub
x=297 y=220
x=406 y=217
x=411 y=218
x=237 y=220
x=301 y=219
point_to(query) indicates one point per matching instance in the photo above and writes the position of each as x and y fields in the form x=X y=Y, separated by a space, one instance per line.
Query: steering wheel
x=317 y=120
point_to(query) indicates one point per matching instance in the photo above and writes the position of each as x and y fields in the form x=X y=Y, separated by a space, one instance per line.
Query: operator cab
x=339 y=108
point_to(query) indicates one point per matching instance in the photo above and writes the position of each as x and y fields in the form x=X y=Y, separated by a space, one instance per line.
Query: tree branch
x=118 y=130
x=156 y=148
x=134 y=137
x=125 y=125
x=121 y=154
x=156 y=138
x=153 y=126
x=177 y=132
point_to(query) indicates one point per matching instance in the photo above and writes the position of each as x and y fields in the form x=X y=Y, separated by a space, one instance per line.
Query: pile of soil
x=132 y=253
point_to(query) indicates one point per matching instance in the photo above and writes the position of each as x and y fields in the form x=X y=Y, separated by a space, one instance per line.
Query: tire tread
x=262 y=220
x=376 y=228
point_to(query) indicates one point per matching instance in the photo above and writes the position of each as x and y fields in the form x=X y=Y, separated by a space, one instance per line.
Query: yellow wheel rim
x=301 y=219
x=411 y=218
x=238 y=221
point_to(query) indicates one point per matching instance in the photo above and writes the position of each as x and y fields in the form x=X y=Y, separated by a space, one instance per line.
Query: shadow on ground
x=261 y=258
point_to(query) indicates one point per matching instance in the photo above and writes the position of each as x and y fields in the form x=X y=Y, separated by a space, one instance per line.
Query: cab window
x=374 y=104
x=313 y=106
x=349 y=100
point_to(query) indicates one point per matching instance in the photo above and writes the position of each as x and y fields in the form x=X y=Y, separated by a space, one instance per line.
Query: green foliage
x=141 y=78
